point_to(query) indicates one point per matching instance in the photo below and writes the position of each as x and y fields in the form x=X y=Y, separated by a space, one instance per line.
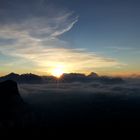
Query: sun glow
x=57 y=71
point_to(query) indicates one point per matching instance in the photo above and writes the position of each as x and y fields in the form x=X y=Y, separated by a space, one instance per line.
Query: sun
x=57 y=71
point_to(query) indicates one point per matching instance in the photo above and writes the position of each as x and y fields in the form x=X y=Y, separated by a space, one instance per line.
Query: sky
x=81 y=36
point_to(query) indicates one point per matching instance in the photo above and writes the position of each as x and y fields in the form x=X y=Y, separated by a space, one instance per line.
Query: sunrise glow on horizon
x=56 y=36
x=57 y=71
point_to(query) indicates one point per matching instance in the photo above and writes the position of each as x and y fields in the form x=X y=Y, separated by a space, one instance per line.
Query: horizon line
x=132 y=75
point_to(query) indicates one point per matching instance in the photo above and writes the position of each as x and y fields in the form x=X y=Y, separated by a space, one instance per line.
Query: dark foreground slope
x=13 y=111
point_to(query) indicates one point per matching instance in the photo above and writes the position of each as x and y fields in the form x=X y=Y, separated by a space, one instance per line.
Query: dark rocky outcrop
x=93 y=75
x=8 y=89
x=13 y=110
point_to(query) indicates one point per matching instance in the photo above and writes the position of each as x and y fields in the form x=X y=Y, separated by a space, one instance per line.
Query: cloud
x=89 y=104
x=35 y=38
x=123 y=49
x=128 y=88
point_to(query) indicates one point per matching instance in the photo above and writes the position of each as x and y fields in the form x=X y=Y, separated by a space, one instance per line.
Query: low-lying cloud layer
x=85 y=104
x=48 y=92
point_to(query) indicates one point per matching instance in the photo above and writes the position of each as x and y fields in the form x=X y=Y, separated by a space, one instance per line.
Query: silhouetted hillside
x=73 y=77
x=49 y=79
x=30 y=78
x=24 y=78
x=11 y=76
x=13 y=111
x=93 y=75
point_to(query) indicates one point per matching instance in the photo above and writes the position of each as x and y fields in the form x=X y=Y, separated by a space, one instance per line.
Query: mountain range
x=65 y=78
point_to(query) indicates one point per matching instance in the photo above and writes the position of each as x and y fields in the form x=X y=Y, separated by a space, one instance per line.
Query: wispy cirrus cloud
x=35 y=39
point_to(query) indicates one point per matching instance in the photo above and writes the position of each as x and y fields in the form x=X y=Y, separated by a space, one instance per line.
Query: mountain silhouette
x=23 y=78
x=73 y=77
x=30 y=78
x=93 y=75
x=11 y=76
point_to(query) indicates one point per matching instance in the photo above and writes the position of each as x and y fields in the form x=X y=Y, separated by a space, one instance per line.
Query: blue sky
x=92 y=35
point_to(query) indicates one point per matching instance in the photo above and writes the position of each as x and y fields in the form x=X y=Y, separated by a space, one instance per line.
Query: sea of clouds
x=59 y=91
x=94 y=104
